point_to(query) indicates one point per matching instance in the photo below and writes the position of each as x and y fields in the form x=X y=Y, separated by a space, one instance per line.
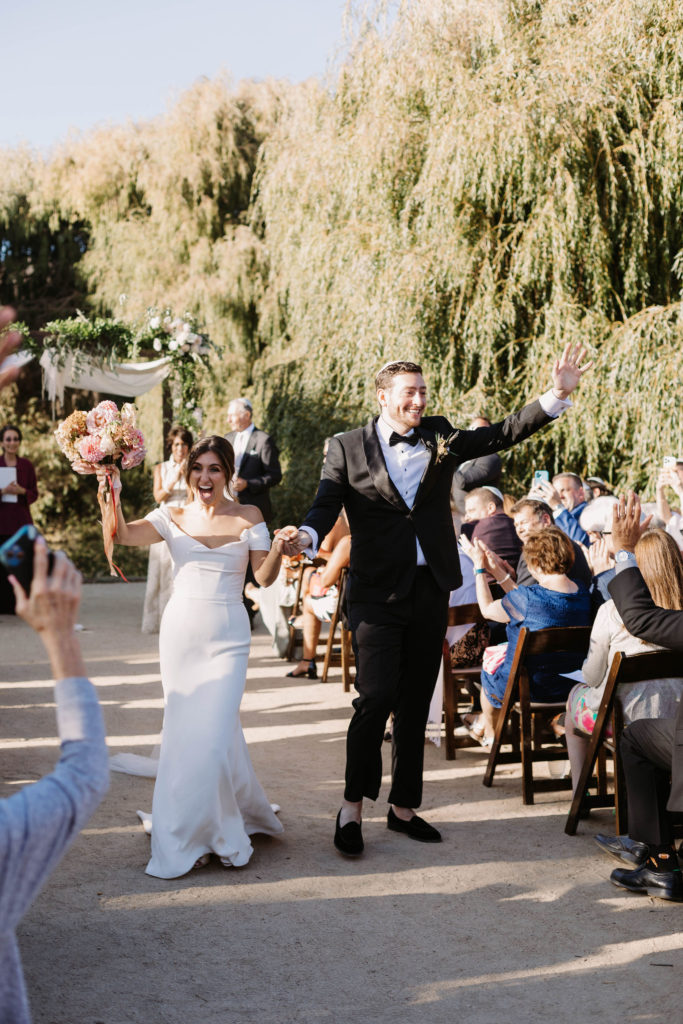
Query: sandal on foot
x=310 y=672
x=202 y=861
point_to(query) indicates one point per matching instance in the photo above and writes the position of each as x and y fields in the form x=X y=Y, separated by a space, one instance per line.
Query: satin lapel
x=378 y=468
x=430 y=475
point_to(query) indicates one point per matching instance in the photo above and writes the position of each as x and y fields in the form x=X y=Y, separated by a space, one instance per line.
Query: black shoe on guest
x=624 y=848
x=349 y=838
x=665 y=885
x=416 y=828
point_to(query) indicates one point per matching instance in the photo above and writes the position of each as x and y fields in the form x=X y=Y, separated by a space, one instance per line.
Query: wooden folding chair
x=296 y=610
x=455 y=678
x=344 y=655
x=635 y=668
x=517 y=700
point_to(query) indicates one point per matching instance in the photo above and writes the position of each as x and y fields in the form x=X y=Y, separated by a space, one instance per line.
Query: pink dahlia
x=90 y=449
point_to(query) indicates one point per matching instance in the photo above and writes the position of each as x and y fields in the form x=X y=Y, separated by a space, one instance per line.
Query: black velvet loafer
x=349 y=838
x=416 y=828
x=665 y=885
x=624 y=848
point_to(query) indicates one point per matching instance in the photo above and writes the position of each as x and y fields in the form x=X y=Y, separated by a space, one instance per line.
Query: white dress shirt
x=406 y=463
x=241 y=443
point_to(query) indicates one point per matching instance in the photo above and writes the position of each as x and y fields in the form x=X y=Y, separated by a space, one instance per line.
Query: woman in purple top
x=15 y=499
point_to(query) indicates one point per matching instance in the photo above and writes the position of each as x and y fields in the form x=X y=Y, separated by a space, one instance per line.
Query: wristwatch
x=624 y=556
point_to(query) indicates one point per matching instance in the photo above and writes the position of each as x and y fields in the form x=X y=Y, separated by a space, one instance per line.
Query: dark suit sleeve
x=331 y=492
x=472 y=444
x=640 y=614
x=479 y=472
x=270 y=460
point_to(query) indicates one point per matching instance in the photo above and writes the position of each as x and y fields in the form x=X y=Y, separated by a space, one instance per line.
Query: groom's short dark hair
x=391 y=370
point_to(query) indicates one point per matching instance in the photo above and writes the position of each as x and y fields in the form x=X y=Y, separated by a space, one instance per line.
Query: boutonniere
x=442 y=446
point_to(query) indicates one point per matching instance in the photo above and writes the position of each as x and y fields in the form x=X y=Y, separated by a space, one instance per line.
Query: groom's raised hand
x=294 y=540
x=569 y=369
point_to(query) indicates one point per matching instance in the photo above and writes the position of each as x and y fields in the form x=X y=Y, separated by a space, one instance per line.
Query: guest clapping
x=555 y=600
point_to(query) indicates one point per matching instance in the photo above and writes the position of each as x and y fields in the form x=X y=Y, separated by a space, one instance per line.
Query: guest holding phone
x=15 y=498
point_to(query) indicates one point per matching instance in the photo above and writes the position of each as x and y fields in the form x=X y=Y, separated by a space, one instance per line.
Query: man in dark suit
x=393 y=477
x=482 y=472
x=257 y=462
x=651 y=749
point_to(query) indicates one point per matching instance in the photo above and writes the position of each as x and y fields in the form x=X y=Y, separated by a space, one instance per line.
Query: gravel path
x=507 y=920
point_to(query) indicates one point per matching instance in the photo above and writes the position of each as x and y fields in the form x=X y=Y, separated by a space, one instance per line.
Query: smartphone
x=542 y=474
x=669 y=460
x=16 y=555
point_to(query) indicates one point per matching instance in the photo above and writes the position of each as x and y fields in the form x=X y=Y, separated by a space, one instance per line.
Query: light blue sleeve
x=38 y=823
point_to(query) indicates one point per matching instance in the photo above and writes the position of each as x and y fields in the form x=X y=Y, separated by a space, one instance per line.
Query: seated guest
x=661 y=565
x=319 y=604
x=567 y=499
x=652 y=758
x=530 y=515
x=484 y=508
x=596 y=520
x=480 y=472
x=598 y=487
x=555 y=600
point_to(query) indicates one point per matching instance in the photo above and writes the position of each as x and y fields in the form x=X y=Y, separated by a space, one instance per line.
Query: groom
x=393 y=477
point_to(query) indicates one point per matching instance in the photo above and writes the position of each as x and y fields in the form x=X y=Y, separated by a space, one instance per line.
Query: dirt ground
x=507 y=919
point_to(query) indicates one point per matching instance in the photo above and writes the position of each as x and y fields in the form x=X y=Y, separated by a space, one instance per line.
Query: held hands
x=238 y=484
x=568 y=369
x=293 y=541
x=627 y=528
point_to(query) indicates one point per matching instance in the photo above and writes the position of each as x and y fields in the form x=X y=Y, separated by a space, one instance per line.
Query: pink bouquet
x=104 y=436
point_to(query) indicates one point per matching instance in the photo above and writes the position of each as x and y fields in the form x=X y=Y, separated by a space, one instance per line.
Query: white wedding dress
x=207 y=798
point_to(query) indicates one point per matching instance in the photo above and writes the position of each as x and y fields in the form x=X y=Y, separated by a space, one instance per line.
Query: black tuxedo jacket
x=644 y=619
x=260 y=467
x=383 y=528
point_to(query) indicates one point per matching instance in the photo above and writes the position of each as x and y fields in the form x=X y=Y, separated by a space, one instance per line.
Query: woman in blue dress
x=554 y=600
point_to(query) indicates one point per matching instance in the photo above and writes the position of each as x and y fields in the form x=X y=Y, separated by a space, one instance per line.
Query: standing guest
x=170 y=491
x=257 y=461
x=15 y=498
x=567 y=499
x=393 y=477
x=651 y=749
x=671 y=476
x=38 y=823
x=475 y=472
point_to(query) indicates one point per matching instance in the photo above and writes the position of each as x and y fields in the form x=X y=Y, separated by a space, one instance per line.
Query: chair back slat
x=557 y=640
x=636 y=668
x=461 y=614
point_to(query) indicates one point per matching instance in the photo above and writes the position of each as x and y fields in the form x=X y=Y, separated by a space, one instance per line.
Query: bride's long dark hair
x=224 y=452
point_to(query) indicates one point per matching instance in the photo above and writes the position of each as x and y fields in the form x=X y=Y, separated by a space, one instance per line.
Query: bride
x=207 y=798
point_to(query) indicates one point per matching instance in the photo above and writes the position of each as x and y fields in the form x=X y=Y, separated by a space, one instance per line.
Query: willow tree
x=484 y=182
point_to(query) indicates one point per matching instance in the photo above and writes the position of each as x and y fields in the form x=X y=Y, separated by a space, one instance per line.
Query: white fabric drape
x=125 y=379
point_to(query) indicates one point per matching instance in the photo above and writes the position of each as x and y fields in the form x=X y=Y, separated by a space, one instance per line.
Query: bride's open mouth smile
x=205 y=492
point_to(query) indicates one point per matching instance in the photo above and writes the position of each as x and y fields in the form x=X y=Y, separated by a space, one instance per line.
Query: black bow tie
x=411 y=439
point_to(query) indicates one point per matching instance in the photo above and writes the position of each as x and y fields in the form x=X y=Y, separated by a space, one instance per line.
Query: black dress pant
x=398 y=649
x=646 y=749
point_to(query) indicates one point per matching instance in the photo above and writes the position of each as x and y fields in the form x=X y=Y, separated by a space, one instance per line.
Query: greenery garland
x=105 y=341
